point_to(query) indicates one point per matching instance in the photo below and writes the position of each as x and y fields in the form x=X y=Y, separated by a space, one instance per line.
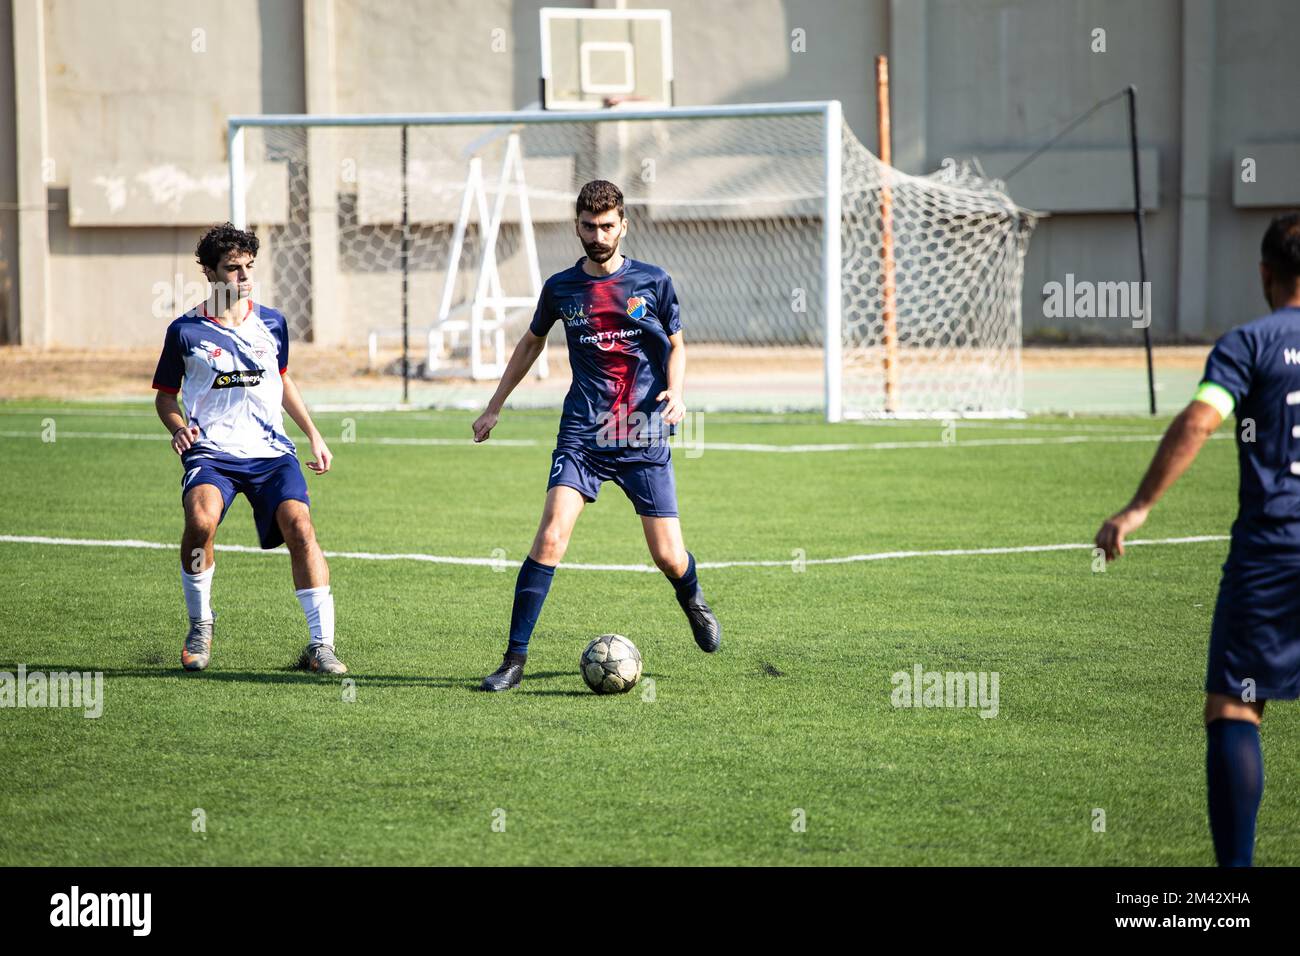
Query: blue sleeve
x=282 y=342
x=1231 y=364
x=544 y=317
x=669 y=311
x=171 y=363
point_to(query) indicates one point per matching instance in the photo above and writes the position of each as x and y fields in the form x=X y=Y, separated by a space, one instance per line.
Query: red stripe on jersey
x=164 y=388
x=607 y=311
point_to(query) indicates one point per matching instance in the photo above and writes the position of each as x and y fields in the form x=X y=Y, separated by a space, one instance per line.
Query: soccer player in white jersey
x=228 y=359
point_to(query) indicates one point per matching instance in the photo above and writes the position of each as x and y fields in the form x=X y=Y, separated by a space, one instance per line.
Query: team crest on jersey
x=636 y=307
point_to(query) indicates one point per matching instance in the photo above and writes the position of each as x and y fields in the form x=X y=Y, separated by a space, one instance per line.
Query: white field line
x=705 y=446
x=640 y=568
x=732 y=418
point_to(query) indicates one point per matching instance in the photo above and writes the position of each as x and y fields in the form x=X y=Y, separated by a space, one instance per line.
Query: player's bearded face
x=600 y=236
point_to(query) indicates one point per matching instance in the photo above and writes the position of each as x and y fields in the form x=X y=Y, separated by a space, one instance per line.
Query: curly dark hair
x=219 y=240
x=599 y=196
x=1280 y=249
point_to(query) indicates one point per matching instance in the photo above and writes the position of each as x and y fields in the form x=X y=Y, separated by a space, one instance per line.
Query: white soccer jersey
x=229 y=382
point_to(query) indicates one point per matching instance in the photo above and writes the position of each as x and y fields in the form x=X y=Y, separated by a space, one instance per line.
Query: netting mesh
x=731 y=207
x=955 y=245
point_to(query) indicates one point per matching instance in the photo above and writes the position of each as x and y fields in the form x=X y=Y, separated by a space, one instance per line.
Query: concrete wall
x=123 y=114
x=138 y=93
x=1257 y=76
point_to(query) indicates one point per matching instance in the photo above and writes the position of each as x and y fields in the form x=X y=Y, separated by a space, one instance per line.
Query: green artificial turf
x=715 y=762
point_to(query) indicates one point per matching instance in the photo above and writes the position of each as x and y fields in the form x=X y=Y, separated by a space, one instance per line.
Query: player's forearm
x=1178 y=449
x=297 y=408
x=521 y=360
x=169 y=412
x=677 y=369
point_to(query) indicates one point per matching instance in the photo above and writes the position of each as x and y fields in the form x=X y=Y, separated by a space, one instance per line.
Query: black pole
x=1139 y=218
x=406 y=251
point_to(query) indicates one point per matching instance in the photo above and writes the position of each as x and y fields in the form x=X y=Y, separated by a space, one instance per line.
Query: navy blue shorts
x=265 y=482
x=1256 y=632
x=650 y=485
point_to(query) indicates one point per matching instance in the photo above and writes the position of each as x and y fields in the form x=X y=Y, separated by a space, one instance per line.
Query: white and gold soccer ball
x=611 y=664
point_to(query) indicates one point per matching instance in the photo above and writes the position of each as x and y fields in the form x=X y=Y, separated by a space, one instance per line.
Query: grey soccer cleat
x=508 y=675
x=704 y=623
x=198 y=646
x=320 y=659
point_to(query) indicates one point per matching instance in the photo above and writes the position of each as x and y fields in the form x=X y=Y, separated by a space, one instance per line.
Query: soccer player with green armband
x=1254 y=372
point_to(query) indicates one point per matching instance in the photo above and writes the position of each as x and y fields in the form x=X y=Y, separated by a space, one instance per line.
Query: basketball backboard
x=595 y=59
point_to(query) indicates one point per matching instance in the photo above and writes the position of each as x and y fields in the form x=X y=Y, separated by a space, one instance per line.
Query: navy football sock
x=1234 y=770
x=530 y=592
x=688 y=585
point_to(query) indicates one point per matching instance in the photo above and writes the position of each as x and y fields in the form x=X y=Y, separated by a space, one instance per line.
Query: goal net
x=789 y=243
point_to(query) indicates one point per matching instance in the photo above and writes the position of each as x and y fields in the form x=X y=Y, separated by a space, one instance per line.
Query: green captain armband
x=1217 y=397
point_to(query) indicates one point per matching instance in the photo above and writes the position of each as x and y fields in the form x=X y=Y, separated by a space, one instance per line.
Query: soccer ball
x=611 y=664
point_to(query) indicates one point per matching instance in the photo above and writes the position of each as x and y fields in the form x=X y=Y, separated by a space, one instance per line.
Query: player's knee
x=298 y=530
x=201 y=525
x=671 y=563
x=550 y=545
x=1224 y=707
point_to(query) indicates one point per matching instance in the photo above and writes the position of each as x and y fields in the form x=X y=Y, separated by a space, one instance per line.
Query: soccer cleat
x=198 y=646
x=704 y=625
x=320 y=659
x=508 y=675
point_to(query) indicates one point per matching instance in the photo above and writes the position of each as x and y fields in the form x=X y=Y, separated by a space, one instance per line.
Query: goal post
x=832 y=262
x=767 y=216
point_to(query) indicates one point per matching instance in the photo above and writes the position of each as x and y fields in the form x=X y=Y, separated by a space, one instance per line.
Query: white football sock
x=318 y=605
x=198 y=593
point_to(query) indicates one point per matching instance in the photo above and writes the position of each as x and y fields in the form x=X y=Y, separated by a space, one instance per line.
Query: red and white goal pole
x=889 y=306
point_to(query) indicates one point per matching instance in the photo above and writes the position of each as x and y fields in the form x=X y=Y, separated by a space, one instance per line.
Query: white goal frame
x=829 y=111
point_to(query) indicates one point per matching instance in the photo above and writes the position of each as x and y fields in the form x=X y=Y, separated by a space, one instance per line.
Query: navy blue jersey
x=617 y=328
x=1258 y=366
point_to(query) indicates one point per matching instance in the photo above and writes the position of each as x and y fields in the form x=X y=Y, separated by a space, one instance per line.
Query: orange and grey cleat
x=322 y=660
x=198 y=646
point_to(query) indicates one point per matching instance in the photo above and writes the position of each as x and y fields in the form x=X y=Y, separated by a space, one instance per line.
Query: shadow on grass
x=293 y=675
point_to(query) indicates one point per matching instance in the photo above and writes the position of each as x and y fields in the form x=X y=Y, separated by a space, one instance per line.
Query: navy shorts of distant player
x=617 y=330
x=1254 y=371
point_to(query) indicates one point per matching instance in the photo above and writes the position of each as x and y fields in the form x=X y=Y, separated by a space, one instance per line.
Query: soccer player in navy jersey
x=1254 y=371
x=628 y=360
x=228 y=359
